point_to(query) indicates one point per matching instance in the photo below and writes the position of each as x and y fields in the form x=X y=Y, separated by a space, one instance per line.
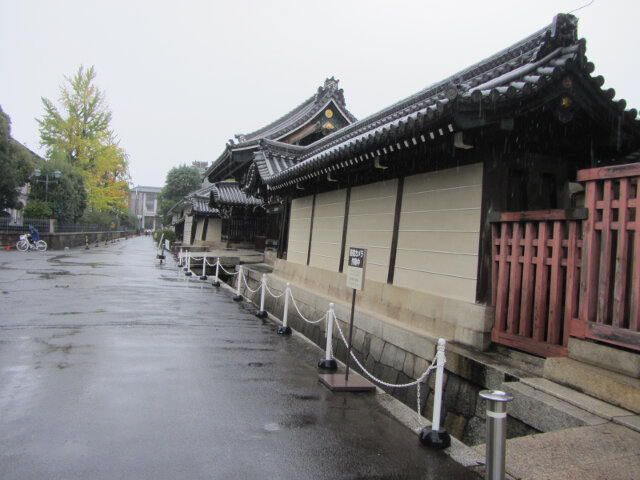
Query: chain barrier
x=312 y=322
x=422 y=379
x=227 y=272
x=246 y=284
x=273 y=294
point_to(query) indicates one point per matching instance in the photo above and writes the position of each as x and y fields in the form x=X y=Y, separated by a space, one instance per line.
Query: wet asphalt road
x=114 y=367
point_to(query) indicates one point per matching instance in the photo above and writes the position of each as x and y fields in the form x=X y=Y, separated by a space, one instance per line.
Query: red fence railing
x=535 y=279
x=558 y=273
x=610 y=284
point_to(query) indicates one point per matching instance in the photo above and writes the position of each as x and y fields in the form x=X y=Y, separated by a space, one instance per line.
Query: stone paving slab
x=585 y=402
x=545 y=412
x=602 y=452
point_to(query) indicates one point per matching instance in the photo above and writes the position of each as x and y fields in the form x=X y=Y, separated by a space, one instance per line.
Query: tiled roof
x=198 y=201
x=290 y=121
x=230 y=194
x=507 y=78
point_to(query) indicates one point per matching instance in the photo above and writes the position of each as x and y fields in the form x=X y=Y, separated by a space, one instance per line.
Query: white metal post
x=437 y=396
x=237 y=296
x=262 y=313
x=329 y=363
x=436 y=437
x=284 y=328
x=216 y=281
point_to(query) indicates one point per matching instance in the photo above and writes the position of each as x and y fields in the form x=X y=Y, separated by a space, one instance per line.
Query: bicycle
x=24 y=244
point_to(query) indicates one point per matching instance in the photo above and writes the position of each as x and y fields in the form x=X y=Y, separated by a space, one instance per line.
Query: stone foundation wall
x=397 y=354
x=58 y=241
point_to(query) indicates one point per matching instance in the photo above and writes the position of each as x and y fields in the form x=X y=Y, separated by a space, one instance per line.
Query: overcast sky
x=182 y=77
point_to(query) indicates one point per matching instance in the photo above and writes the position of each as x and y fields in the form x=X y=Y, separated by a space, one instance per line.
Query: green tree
x=180 y=181
x=37 y=209
x=80 y=131
x=66 y=196
x=16 y=164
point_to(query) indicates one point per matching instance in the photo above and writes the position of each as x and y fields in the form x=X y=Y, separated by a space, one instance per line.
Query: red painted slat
x=622 y=259
x=634 y=323
x=542 y=282
x=590 y=256
x=495 y=228
x=618 y=171
x=515 y=280
x=554 y=328
x=606 y=250
x=526 y=302
x=503 y=279
x=572 y=281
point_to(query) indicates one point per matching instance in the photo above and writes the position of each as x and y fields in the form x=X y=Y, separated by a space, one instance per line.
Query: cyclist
x=33 y=236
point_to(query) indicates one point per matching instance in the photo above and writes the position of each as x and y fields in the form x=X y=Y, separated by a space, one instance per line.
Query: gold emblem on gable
x=328 y=113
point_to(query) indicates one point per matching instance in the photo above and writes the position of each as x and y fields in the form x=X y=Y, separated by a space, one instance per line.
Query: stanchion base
x=203 y=277
x=185 y=269
x=435 y=439
x=261 y=314
x=87 y=247
x=215 y=283
x=325 y=364
x=284 y=330
x=188 y=274
x=336 y=382
x=179 y=265
x=237 y=298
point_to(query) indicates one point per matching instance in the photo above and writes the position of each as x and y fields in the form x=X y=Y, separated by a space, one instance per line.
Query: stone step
x=613 y=388
x=545 y=412
x=606 y=451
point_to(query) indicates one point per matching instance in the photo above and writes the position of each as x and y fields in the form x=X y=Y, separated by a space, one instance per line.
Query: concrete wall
x=58 y=241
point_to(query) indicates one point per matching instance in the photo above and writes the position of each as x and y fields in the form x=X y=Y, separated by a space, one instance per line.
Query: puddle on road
x=49 y=275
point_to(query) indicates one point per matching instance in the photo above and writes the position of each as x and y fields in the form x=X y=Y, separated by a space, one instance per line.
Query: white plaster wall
x=439 y=232
x=328 y=223
x=214 y=230
x=188 y=221
x=371 y=212
x=299 y=229
x=199 y=227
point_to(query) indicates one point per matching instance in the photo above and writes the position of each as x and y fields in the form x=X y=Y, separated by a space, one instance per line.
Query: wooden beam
x=396 y=226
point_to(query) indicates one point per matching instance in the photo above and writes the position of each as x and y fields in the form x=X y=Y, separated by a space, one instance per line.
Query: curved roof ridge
x=533 y=44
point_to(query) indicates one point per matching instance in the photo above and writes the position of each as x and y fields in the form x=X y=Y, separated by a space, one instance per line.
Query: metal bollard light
x=262 y=313
x=284 y=329
x=328 y=363
x=237 y=297
x=496 y=432
x=216 y=281
x=437 y=437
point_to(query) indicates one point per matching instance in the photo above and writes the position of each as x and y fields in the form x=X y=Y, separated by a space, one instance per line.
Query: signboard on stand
x=356 y=268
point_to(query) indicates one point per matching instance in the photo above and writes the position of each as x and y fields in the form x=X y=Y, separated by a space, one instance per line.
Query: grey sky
x=182 y=78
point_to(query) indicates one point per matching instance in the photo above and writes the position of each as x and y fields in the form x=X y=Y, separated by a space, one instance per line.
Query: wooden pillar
x=396 y=227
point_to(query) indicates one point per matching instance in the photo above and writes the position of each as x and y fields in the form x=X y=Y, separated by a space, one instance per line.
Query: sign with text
x=356 y=268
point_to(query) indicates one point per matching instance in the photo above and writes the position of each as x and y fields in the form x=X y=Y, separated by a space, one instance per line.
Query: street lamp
x=56 y=176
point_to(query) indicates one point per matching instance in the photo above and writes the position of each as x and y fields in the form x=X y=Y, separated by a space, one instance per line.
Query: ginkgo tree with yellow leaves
x=79 y=131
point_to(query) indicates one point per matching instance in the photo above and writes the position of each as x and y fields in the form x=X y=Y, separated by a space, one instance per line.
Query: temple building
x=419 y=183
x=320 y=115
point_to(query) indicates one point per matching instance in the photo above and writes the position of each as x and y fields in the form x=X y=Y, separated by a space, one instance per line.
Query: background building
x=144 y=203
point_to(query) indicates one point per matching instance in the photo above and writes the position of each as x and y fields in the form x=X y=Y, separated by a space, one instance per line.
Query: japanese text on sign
x=356 y=268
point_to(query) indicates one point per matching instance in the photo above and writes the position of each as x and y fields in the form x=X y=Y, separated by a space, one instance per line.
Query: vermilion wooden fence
x=610 y=284
x=571 y=272
x=535 y=279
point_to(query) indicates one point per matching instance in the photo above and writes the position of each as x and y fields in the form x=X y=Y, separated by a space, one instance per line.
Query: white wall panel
x=299 y=228
x=439 y=232
x=328 y=222
x=371 y=212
